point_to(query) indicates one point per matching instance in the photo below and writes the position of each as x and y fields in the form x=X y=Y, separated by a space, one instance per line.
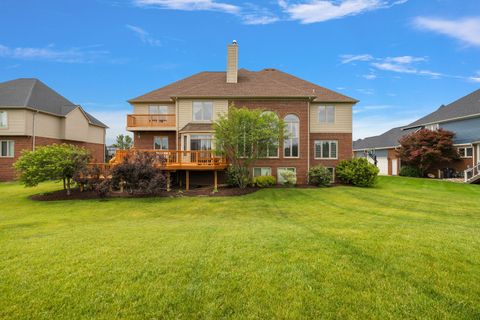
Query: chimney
x=232 y=62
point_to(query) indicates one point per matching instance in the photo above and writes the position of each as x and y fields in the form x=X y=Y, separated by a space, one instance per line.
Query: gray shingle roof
x=463 y=107
x=34 y=94
x=385 y=140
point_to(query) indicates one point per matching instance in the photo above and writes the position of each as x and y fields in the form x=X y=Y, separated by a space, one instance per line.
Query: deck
x=173 y=160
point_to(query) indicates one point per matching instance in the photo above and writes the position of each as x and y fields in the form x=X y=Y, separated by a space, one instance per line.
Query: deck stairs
x=472 y=175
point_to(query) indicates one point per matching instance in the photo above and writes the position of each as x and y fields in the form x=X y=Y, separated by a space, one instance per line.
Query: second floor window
x=202 y=111
x=157 y=109
x=160 y=143
x=432 y=127
x=465 y=152
x=290 y=145
x=326 y=114
x=3 y=119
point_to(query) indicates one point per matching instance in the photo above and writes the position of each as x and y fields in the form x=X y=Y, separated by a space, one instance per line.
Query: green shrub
x=289 y=178
x=408 y=171
x=236 y=176
x=319 y=176
x=263 y=181
x=358 y=172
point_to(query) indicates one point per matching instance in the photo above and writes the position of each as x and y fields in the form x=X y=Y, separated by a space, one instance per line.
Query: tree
x=243 y=136
x=425 y=148
x=52 y=162
x=123 y=142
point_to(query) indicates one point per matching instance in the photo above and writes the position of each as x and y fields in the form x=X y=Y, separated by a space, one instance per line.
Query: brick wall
x=25 y=143
x=144 y=139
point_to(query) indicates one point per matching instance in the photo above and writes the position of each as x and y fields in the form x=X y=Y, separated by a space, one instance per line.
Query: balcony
x=178 y=160
x=145 y=122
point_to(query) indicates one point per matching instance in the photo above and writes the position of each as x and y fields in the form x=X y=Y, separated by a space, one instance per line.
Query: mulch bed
x=194 y=192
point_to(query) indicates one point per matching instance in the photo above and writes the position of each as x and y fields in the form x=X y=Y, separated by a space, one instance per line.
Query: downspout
x=33 y=130
x=308 y=136
x=177 y=123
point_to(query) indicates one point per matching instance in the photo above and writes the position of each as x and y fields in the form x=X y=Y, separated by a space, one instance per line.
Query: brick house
x=32 y=114
x=461 y=117
x=178 y=118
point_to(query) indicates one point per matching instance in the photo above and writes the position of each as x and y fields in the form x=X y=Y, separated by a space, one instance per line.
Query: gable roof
x=197 y=127
x=267 y=83
x=386 y=140
x=467 y=106
x=34 y=94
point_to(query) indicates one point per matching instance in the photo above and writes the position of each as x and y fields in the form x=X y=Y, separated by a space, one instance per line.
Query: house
x=32 y=115
x=461 y=117
x=178 y=118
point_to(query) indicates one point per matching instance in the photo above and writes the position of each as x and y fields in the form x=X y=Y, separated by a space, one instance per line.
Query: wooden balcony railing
x=177 y=160
x=151 y=120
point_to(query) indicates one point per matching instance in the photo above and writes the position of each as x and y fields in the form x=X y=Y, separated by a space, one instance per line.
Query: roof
x=267 y=83
x=34 y=94
x=467 y=106
x=195 y=127
x=388 y=139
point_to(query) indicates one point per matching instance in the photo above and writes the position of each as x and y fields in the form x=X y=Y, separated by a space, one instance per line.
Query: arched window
x=290 y=145
x=272 y=149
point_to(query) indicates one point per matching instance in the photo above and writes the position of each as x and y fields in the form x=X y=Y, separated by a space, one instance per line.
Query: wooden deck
x=173 y=160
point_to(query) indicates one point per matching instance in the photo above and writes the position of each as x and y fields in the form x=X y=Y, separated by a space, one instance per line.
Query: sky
x=401 y=58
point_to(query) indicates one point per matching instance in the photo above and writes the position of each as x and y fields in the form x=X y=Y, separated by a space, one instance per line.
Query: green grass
x=406 y=249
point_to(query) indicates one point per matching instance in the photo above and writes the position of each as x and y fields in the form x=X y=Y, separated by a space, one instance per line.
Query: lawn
x=407 y=248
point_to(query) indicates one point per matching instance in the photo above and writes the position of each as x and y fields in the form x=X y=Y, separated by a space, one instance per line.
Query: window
x=279 y=173
x=201 y=142
x=290 y=145
x=332 y=171
x=7 y=148
x=160 y=143
x=158 y=109
x=465 y=152
x=265 y=171
x=326 y=114
x=3 y=119
x=432 y=127
x=272 y=149
x=202 y=111
x=325 y=149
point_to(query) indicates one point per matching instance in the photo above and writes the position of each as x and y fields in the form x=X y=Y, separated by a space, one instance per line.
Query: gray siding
x=466 y=131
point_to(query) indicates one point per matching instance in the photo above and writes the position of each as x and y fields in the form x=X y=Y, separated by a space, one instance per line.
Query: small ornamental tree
x=52 y=162
x=425 y=148
x=243 y=136
x=123 y=142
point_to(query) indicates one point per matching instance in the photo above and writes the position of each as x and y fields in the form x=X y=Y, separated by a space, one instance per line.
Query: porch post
x=187 y=180
x=168 y=181
x=215 y=186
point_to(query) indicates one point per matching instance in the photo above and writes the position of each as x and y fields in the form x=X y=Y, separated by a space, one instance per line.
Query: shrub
x=358 y=172
x=236 y=176
x=289 y=178
x=138 y=173
x=319 y=176
x=409 y=171
x=263 y=181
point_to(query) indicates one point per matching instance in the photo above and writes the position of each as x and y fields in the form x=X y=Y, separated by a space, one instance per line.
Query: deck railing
x=151 y=120
x=472 y=173
x=173 y=159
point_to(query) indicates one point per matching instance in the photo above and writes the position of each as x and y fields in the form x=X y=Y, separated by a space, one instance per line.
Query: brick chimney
x=232 y=62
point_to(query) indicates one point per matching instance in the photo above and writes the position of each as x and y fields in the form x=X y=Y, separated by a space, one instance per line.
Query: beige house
x=176 y=120
x=32 y=114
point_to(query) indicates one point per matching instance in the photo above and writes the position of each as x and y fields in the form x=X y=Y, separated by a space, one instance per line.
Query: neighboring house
x=32 y=114
x=179 y=117
x=461 y=117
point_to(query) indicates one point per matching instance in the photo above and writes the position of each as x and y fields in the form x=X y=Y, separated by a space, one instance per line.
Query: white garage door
x=382 y=164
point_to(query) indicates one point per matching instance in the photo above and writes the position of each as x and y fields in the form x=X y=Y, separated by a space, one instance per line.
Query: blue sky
x=401 y=59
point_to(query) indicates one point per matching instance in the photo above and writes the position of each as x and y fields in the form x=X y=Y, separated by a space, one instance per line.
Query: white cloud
x=314 y=11
x=475 y=78
x=349 y=58
x=50 y=53
x=466 y=30
x=144 y=36
x=190 y=5
x=370 y=76
x=405 y=59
